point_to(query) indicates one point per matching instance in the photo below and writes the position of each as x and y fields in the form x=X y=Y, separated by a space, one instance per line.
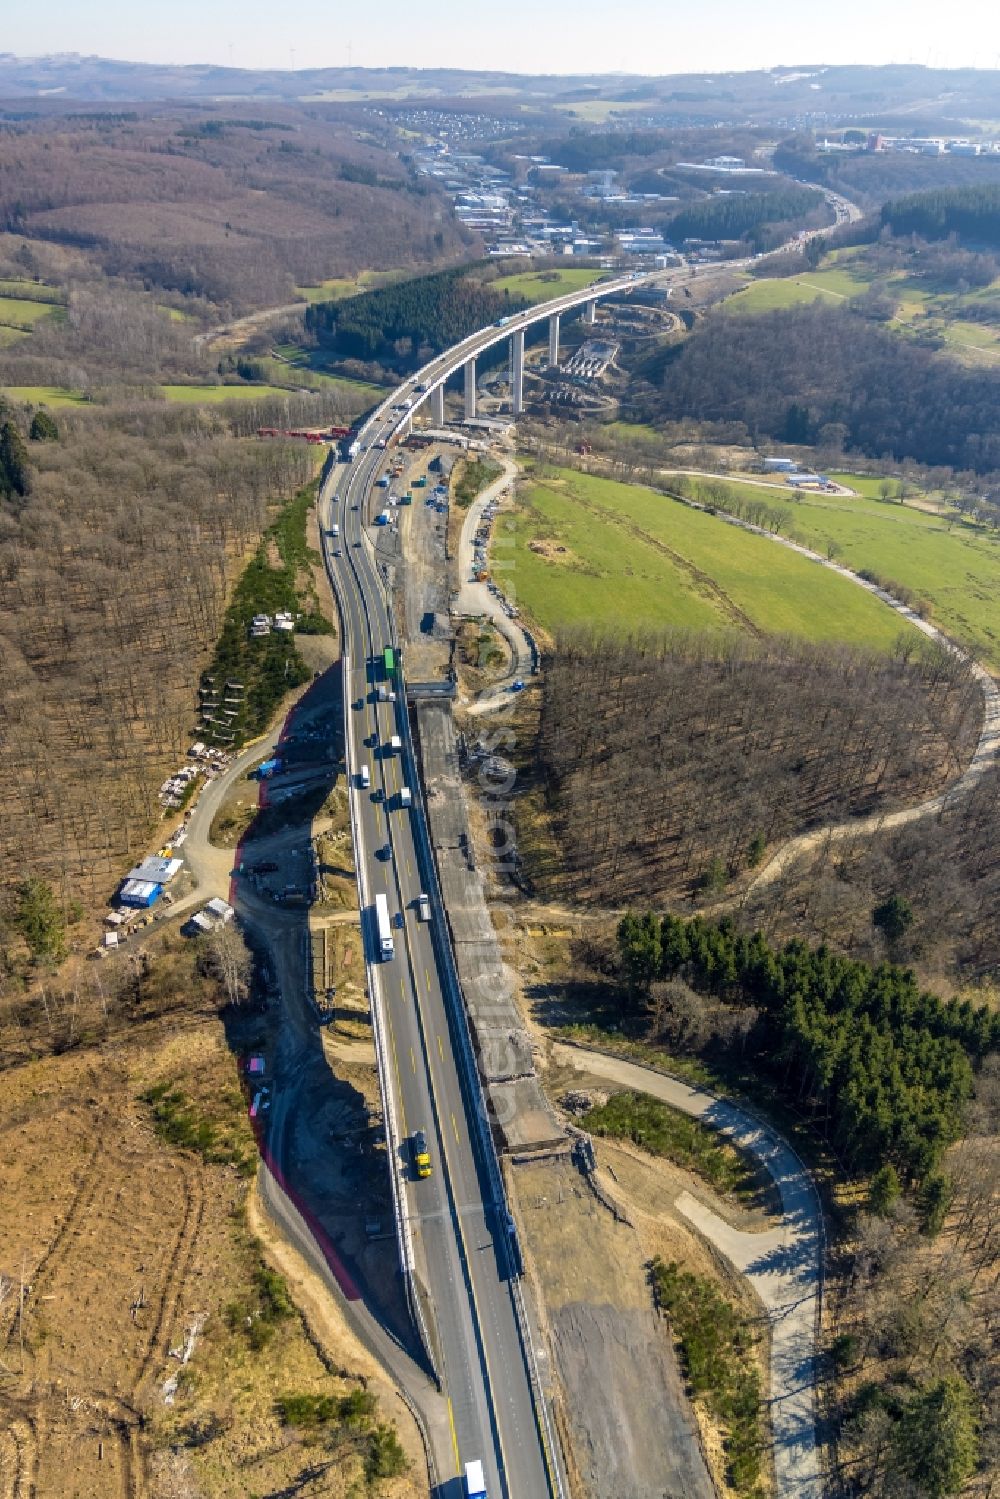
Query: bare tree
x=230 y=961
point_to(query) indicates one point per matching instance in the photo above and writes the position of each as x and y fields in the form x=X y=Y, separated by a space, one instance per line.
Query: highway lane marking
x=492 y=1389
x=440 y=1047
x=399 y=1082
x=453 y=1124
x=427 y=980
x=413 y=1062
x=409 y=871
x=454 y=1439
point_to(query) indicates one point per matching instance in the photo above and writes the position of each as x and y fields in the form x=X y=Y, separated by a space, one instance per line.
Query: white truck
x=405 y=796
x=475 y=1483
x=364 y=777
x=395 y=745
x=385 y=947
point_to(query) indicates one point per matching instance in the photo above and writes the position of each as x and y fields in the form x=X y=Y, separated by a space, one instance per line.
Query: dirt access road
x=475 y=599
x=783 y=1265
x=984 y=758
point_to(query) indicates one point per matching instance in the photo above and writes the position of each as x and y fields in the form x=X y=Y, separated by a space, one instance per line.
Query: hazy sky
x=564 y=36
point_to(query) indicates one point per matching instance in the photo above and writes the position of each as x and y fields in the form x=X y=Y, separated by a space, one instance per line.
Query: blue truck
x=266 y=769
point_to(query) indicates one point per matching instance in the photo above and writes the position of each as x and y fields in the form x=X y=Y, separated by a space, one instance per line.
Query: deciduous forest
x=114 y=570
x=789 y=374
x=670 y=765
x=208 y=204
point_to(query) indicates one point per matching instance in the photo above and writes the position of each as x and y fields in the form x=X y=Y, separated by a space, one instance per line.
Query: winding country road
x=783 y=1264
x=983 y=760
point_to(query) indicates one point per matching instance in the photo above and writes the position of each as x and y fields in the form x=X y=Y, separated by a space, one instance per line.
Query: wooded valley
x=207 y=204
x=801 y=374
x=670 y=765
x=114 y=571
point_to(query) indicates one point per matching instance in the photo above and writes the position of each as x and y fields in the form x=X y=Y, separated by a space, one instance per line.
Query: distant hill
x=806 y=90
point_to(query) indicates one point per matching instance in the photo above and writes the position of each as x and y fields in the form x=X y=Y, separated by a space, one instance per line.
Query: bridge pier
x=437 y=405
x=554 y=340
x=470 y=389
x=590 y=312
x=517 y=382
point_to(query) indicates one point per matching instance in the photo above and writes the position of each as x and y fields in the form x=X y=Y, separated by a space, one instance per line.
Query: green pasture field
x=44 y=395
x=542 y=286
x=23 y=312
x=294 y=367
x=768 y=295
x=336 y=288
x=633 y=559
x=174 y=313
x=949 y=562
x=220 y=392
x=946 y=560
x=32 y=291
x=920 y=309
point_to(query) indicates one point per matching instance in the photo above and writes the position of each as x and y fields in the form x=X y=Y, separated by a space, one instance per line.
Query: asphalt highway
x=458 y=1226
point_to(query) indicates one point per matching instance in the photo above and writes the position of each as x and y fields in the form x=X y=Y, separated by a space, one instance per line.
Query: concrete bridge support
x=590 y=312
x=553 y=340
x=470 y=389
x=517 y=383
x=437 y=406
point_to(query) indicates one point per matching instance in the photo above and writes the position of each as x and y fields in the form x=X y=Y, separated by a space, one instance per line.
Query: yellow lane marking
x=402 y=989
x=427 y=980
x=440 y=1049
x=413 y=1060
x=454 y=1440
x=408 y=869
x=454 y=1126
x=399 y=1085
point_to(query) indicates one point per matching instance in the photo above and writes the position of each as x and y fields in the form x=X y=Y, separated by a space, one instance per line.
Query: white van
x=365 y=777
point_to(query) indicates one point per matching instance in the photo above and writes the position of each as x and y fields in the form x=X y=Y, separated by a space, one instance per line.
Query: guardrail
x=462 y=351
x=468 y=1067
x=393 y=1141
x=473 y=1088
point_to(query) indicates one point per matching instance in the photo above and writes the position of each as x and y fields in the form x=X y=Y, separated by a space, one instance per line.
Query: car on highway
x=423 y=907
x=421 y=1155
x=385 y=853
